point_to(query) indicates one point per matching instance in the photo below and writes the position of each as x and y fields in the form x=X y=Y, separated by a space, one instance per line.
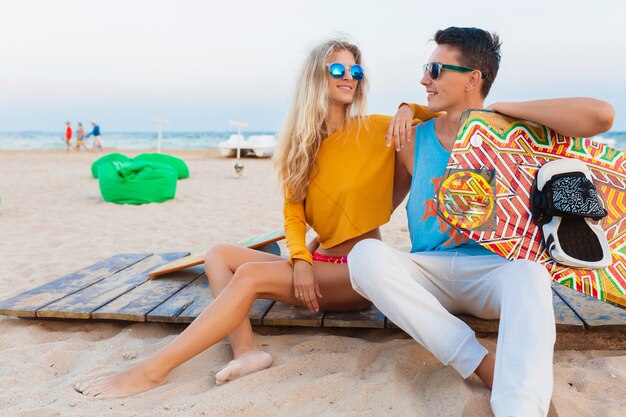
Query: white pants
x=420 y=292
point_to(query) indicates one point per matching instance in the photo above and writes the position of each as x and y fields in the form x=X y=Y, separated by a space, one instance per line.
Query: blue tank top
x=429 y=232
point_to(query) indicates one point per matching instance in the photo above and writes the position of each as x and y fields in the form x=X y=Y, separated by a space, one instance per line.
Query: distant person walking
x=68 y=136
x=80 y=136
x=95 y=132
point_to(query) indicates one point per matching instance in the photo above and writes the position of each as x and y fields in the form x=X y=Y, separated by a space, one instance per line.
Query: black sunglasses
x=434 y=69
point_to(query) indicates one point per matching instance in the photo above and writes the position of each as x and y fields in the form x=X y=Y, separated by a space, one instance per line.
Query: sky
x=200 y=64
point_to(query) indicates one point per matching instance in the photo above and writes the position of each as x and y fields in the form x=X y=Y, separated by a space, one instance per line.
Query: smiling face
x=341 y=90
x=452 y=89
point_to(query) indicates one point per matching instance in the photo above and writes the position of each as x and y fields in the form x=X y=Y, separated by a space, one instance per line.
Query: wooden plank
x=271 y=248
x=117 y=288
x=82 y=303
x=262 y=240
x=27 y=303
x=476 y=324
x=265 y=243
x=137 y=303
x=566 y=320
x=283 y=314
x=177 y=265
x=200 y=302
x=390 y=324
x=186 y=305
x=170 y=310
x=596 y=314
x=370 y=318
x=259 y=310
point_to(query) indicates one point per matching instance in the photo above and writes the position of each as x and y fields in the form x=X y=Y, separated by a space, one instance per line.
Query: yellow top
x=351 y=193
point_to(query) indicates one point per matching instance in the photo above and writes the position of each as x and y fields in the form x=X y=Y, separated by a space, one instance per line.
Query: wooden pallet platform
x=118 y=288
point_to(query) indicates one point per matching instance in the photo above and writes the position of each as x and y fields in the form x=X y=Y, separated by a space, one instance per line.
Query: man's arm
x=578 y=116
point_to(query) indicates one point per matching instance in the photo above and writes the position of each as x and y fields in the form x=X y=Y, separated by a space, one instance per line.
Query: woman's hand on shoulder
x=306 y=289
x=399 y=131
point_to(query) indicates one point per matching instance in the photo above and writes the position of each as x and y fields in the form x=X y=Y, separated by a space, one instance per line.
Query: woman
x=337 y=176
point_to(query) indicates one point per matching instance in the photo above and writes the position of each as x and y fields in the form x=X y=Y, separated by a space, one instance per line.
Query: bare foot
x=120 y=384
x=244 y=364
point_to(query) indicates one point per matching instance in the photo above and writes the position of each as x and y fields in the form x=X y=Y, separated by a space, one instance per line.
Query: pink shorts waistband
x=330 y=259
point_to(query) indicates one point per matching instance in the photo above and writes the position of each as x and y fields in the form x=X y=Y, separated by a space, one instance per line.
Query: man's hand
x=306 y=289
x=400 y=128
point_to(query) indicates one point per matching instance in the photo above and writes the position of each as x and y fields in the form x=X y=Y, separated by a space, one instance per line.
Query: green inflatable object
x=178 y=164
x=137 y=182
x=106 y=159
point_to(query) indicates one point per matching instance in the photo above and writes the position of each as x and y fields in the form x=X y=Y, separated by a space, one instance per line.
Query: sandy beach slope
x=53 y=222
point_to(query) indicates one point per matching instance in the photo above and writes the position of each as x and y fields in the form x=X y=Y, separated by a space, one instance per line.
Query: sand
x=53 y=222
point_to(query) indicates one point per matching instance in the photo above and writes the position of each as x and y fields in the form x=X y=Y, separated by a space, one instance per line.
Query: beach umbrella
x=160 y=122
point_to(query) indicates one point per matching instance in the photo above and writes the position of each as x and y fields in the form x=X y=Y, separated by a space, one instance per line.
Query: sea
x=174 y=140
x=119 y=140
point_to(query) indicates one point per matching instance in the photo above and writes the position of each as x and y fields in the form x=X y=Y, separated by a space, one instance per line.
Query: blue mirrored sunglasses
x=337 y=70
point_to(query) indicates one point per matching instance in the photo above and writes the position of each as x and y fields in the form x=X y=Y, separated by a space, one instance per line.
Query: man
x=445 y=274
x=95 y=132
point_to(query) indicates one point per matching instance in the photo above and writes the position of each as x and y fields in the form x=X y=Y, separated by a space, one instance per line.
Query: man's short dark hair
x=477 y=48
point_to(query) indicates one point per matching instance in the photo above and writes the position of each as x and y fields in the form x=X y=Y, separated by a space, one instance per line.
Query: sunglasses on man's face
x=337 y=70
x=434 y=69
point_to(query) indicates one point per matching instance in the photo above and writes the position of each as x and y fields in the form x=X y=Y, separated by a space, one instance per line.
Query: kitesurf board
x=254 y=242
x=485 y=193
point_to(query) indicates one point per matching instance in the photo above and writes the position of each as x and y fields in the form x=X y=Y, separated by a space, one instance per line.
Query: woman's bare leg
x=221 y=262
x=220 y=265
x=272 y=280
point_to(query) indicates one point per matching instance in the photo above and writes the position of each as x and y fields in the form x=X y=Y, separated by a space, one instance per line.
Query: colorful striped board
x=485 y=193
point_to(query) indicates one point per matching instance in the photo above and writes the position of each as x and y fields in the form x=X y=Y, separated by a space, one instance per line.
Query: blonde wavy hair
x=303 y=130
